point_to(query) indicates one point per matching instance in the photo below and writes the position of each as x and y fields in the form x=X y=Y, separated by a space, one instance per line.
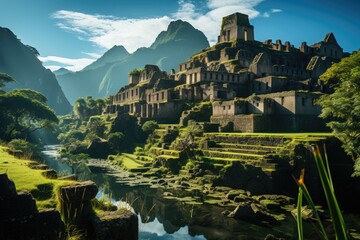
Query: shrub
x=28 y=149
x=116 y=141
x=149 y=126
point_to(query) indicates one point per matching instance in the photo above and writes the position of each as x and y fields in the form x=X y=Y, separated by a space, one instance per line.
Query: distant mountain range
x=110 y=72
x=20 y=61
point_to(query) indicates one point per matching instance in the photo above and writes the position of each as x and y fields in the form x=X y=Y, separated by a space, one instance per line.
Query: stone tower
x=236 y=27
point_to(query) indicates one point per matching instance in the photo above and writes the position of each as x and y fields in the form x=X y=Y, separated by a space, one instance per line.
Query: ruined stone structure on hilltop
x=253 y=86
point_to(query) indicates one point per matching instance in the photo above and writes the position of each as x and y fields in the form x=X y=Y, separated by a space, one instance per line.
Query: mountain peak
x=116 y=53
x=178 y=30
x=61 y=71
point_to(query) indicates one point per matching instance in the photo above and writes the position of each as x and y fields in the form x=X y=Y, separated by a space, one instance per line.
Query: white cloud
x=93 y=55
x=266 y=15
x=107 y=31
x=54 y=63
x=276 y=10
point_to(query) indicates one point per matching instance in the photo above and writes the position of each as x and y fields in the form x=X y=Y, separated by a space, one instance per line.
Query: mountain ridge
x=170 y=48
x=20 y=61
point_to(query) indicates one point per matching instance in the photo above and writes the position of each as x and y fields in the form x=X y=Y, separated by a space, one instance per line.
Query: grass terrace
x=44 y=190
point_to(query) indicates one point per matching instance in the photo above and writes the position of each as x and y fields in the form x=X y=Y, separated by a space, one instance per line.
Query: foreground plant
x=327 y=185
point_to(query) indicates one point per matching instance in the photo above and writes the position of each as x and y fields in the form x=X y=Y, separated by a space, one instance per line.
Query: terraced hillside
x=238 y=160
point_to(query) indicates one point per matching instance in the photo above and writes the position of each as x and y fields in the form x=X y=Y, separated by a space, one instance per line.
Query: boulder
x=19 y=218
x=119 y=225
x=75 y=201
x=39 y=166
x=242 y=198
x=51 y=174
x=16 y=206
x=79 y=192
x=254 y=213
x=41 y=225
x=7 y=187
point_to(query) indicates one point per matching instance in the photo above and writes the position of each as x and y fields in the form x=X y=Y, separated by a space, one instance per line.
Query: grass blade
x=299 y=216
x=335 y=212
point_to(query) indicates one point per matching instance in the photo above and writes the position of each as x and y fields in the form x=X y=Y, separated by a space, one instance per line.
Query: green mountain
x=171 y=47
x=20 y=61
x=116 y=53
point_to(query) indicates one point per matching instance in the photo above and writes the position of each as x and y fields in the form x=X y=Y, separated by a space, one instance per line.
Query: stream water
x=161 y=218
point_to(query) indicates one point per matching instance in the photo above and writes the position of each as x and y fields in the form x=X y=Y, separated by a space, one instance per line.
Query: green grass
x=43 y=189
x=130 y=162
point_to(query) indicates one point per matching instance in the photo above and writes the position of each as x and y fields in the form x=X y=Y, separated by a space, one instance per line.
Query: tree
x=341 y=109
x=25 y=111
x=80 y=108
x=4 y=78
x=96 y=126
x=116 y=141
x=85 y=108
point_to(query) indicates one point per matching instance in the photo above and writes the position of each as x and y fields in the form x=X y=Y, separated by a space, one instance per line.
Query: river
x=165 y=218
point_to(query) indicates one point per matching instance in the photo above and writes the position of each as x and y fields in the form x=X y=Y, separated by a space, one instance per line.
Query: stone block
x=7 y=187
x=79 y=192
x=119 y=225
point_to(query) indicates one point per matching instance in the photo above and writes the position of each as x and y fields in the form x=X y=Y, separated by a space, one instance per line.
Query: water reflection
x=169 y=219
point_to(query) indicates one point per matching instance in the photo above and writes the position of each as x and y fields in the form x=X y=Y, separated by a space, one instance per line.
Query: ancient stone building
x=254 y=86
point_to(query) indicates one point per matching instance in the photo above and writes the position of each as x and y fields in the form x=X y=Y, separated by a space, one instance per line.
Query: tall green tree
x=80 y=108
x=85 y=108
x=25 y=111
x=341 y=109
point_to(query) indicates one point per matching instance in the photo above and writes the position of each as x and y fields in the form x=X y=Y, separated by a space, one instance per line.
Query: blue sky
x=73 y=33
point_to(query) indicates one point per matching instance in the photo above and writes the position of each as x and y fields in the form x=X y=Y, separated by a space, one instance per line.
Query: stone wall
x=266 y=123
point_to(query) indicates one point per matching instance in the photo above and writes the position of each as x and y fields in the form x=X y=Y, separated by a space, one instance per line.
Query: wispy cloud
x=54 y=63
x=93 y=55
x=107 y=31
x=276 y=10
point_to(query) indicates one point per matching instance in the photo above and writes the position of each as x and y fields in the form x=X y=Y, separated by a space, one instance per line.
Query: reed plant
x=337 y=219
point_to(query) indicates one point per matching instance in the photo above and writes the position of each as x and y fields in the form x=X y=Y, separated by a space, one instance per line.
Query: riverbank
x=42 y=188
x=45 y=199
x=252 y=183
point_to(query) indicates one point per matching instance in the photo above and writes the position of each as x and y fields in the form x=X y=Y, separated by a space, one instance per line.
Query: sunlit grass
x=27 y=179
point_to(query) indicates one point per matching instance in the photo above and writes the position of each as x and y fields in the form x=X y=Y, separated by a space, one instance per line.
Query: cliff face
x=21 y=62
x=170 y=48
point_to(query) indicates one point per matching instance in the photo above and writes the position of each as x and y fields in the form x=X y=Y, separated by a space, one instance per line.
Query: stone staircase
x=256 y=150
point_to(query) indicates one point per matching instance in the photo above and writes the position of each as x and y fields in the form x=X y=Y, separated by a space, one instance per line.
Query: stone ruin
x=270 y=81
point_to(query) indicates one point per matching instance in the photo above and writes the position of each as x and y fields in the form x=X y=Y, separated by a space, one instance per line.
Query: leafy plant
x=341 y=109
